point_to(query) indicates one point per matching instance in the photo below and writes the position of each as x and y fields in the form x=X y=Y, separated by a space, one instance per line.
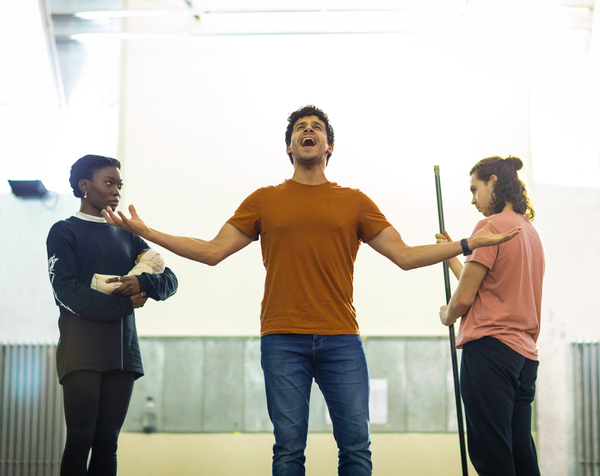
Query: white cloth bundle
x=149 y=262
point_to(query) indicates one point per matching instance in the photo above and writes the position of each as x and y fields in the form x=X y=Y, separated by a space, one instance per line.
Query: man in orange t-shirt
x=499 y=297
x=310 y=231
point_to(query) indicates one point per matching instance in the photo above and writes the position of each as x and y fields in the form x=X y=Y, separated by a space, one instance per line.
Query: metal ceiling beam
x=594 y=78
x=326 y=17
x=48 y=27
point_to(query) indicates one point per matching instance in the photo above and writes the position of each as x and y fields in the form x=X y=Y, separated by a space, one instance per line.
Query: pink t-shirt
x=508 y=303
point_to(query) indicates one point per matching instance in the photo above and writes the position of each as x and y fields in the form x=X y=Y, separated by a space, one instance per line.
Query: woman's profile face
x=104 y=190
x=483 y=194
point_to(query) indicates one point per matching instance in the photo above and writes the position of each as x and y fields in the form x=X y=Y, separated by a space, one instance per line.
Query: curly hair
x=305 y=111
x=508 y=188
x=85 y=167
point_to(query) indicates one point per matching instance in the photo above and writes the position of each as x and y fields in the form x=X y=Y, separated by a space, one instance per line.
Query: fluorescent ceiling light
x=105 y=14
x=447 y=6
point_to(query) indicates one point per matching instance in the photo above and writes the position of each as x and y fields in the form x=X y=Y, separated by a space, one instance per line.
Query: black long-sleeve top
x=97 y=331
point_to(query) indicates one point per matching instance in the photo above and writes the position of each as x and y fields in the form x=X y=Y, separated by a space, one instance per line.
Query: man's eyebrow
x=312 y=123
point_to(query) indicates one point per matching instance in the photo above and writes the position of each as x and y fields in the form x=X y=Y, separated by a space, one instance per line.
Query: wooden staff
x=461 y=431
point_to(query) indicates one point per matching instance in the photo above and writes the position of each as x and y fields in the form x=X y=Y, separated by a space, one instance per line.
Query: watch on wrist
x=465 y=247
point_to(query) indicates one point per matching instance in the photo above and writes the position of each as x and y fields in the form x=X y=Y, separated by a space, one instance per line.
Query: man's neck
x=311 y=176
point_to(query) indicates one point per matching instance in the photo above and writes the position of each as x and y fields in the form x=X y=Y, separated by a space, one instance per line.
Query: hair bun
x=514 y=162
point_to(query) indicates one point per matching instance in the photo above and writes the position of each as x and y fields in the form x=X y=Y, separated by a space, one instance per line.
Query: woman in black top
x=98 y=356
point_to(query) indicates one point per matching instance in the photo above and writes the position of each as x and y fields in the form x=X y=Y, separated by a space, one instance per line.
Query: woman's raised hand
x=454 y=263
x=445 y=238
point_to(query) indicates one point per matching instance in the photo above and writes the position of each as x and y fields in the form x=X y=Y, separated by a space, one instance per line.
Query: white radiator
x=587 y=407
x=32 y=429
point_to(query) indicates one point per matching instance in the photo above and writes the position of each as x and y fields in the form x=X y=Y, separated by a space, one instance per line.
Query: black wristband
x=465 y=247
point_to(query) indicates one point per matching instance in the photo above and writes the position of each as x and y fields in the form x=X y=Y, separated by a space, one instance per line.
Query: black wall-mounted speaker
x=28 y=188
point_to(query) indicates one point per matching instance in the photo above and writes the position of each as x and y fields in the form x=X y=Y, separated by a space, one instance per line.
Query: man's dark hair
x=305 y=111
x=85 y=167
x=508 y=188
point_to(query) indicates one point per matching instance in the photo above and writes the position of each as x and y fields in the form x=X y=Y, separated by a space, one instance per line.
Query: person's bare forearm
x=228 y=241
x=412 y=257
x=454 y=263
x=456 y=308
x=389 y=243
x=195 y=249
x=455 y=266
x=471 y=278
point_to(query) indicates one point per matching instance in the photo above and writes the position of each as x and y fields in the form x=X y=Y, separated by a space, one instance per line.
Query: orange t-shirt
x=508 y=304
x=310 y=235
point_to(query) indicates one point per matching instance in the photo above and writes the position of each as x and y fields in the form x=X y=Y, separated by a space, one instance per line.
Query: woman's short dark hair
x=85 y=167
x=305 y=111
x=508 y=188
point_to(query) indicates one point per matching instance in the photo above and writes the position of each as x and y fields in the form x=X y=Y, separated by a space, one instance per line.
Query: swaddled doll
x=149 y=262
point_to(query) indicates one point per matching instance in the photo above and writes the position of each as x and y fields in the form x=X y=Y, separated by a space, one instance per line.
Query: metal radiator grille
x=587 y=407
x=32 y=431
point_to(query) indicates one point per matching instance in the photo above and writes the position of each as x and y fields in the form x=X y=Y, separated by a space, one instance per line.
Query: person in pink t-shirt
x=499 y=298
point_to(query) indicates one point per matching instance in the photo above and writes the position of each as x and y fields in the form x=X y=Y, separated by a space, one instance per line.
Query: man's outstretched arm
x=228 y=241
x=389 y=243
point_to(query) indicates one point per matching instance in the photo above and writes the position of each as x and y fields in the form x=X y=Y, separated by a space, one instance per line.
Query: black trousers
x=95 y=407
x=498 y=386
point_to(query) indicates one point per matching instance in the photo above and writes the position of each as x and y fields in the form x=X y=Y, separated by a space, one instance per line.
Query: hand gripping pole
x=461 y=431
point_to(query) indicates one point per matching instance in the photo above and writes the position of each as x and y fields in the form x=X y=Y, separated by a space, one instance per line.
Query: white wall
x=204 y=123
x=399 y=104
x=566 y=161
x=27 y=309
x=568 y=218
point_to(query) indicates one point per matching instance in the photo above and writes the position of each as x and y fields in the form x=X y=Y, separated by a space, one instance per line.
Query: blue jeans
x=338 y=365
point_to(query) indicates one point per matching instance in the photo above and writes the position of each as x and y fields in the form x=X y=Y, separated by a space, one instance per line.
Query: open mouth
x=308 y=142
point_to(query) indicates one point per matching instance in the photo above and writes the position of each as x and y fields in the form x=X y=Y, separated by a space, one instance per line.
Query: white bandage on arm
x=149 y=262
x=99 y=283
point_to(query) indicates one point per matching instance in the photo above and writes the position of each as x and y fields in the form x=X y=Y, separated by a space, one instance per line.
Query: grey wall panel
x=215 y=384
x=223 y=396
x=151 y=385
x=256 y=416
x=426 y=390
x=183 y=384
x=386 y=359
x=318 y=411
x=451 y=418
